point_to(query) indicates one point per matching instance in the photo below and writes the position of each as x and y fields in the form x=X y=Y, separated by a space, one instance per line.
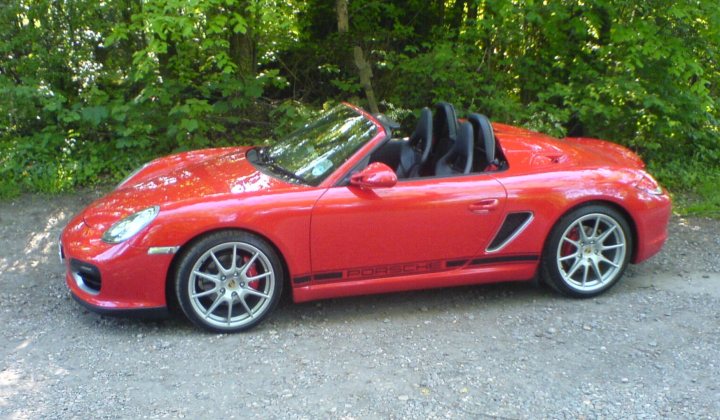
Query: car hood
x=536 y=151
x=183 y=178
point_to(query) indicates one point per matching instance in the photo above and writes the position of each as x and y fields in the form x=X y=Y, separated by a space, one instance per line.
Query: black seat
x=445 y=128
x=416 y=151
x=484 y=142
x=459 y=159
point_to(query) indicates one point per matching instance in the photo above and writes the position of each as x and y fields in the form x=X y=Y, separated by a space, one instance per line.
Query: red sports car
x=341 y=207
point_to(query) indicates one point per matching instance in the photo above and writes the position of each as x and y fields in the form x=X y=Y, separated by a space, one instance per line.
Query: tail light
x=649 y=185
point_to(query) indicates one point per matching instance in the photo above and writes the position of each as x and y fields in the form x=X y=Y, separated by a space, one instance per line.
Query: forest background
x=91 y=89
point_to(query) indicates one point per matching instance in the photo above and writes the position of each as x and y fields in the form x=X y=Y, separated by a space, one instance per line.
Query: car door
x=416 y=226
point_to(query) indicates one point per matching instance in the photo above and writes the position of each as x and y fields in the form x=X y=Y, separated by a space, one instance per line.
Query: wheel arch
x=170 y=295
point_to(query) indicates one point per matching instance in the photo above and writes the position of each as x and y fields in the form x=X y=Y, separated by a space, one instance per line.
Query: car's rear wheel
x=587 y=252
x=229 y=281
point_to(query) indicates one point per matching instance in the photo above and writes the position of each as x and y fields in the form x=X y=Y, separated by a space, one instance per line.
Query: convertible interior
x=442 y=145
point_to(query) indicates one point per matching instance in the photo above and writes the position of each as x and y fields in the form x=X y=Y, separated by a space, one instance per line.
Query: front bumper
x=120 y=279
x=652 y=225
x=144 y=313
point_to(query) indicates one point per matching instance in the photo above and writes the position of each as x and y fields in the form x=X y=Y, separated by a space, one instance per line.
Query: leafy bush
x=92 y=89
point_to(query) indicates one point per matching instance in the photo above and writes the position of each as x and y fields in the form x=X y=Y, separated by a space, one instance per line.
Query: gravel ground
x=650 y=347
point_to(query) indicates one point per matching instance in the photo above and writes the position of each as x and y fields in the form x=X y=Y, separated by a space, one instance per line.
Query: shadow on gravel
x=406 y=305
x=124 y=326
x=389 y=307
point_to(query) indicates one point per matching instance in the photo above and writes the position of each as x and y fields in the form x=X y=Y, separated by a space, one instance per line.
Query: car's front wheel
x=587 y=251
x=229 y=281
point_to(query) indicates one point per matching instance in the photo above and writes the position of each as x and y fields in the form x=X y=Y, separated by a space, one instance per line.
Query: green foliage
x=288 y=116
x=694 y=186
x=91 y=89
x=702 y=199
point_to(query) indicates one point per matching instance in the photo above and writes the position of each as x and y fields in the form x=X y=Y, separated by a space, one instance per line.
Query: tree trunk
x=364 y=69
x=243 y=53
x=165 y=66
x=458 y=11
x=438 y=7
x=342 y=16
x=472 y=12
x=243 y=49
x=365 y=78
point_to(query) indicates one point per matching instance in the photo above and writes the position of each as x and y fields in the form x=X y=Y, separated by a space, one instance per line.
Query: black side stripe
x=509 y=258
x=302 y=279
x=455 y=263
x=449 y=264
x=328 y=276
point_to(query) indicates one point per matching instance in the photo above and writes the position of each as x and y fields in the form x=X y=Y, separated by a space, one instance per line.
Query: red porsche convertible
x=341 y=207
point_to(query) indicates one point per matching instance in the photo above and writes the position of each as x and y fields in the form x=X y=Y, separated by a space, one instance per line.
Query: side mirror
x=376 y=175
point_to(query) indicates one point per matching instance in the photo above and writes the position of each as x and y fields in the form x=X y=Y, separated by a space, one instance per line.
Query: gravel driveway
x=648 y=348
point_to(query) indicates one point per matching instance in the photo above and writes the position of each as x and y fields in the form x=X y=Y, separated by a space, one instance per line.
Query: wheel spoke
x=581 y=231
x=207 y=276
x=606 y=260
x=606 y=234
x=247 y=308
x=596 y=269
x=249 y=264
x=229 y=313
x=217 y=262
x=576 y=244
x=214 y=306
x=609 y=247
x=205 y=293
x=585 y=273
x=567 y=257
x=234 y=258
x=259 y=276
x=574 y=268
x=254 y=292
x=597 y=225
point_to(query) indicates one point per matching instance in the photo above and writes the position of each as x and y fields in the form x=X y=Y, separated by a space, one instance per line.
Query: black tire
x=587 y=252
x=229 y=281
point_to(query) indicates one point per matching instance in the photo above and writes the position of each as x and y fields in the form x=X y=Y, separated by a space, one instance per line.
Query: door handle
x=484 y=206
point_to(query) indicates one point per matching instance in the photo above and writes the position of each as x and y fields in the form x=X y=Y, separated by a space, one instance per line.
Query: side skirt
x=477 y=273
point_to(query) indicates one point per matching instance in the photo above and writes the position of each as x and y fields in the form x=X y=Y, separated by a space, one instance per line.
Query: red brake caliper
x=567 y=248
x=251 y=272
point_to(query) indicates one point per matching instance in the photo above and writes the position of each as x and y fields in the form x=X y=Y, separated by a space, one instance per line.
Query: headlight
x=129 y=226
x=132 y=174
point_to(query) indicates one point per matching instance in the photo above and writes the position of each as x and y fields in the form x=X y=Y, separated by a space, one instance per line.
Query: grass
x=695 y=188
x=704 y=201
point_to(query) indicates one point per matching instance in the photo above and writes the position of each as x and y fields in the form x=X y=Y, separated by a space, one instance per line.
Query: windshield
x=313 y=152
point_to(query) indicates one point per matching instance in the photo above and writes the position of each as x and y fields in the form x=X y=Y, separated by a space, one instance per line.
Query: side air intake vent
x=513 y=225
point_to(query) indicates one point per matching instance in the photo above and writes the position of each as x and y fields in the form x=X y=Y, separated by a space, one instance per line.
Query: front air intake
x=86 y=276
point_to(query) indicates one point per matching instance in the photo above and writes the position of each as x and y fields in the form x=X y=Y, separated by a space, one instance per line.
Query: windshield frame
x=339 y=172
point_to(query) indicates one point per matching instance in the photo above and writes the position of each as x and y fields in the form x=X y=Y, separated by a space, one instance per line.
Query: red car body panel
x=339 y=240
x=413 y=221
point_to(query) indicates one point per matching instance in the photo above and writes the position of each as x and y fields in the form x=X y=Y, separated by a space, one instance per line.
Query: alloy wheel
x=591 y=252
x=231 y=284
